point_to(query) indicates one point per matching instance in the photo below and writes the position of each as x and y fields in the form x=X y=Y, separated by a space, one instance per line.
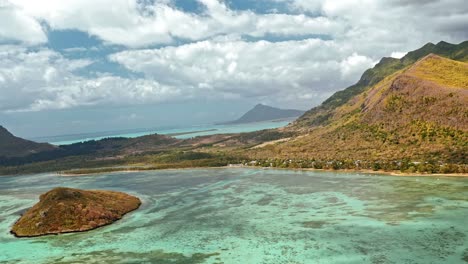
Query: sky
x=74 y=66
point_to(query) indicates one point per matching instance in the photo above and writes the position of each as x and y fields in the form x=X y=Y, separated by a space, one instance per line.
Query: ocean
x=179 y=132
x=237 y=215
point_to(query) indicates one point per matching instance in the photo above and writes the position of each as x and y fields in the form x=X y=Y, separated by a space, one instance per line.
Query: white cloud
x=43 y=79
x=16 y=25
x=217 y=62
x=355 y=64
x=398 y=54
x=107 y=90
x=130 y=23
x=313 y=6
x=262 y=70
x=275 y=72
x=377 y=28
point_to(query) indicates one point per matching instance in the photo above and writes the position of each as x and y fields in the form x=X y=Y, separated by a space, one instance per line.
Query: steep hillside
x=420 y=114
x=11 y=146
x=387 y=66
x=265 y=113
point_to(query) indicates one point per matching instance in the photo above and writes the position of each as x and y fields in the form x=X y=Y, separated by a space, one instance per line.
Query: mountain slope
x=434 y=90
x=11 y=146
x=265 y=113
x=420 y=113
x=387 y=66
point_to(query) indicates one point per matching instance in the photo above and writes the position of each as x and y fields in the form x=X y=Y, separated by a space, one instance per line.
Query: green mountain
x=419 y=113
x=265 y=113
x=387 y=66
x=11 y=146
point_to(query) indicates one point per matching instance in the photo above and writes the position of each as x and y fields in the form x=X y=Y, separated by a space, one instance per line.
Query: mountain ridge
x=319 y=115
x=417 y=113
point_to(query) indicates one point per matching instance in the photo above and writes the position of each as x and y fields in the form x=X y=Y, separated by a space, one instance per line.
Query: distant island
x=65 y=210
x=263 y=112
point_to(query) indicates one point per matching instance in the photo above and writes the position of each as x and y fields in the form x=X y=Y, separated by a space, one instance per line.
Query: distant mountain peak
x=444 y=43
x=263 y=106
x=261 y=112
x=429 y=44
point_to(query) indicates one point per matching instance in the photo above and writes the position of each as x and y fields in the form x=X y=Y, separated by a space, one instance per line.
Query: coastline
x=143 y=169
x=370 y=172
x=397 y=173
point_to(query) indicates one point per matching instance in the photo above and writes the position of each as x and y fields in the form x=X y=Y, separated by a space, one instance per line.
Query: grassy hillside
x=418 y=114
x=387 y=66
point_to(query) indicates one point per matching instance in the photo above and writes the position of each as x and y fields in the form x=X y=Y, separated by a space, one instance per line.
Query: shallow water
x=181 y=133
x=253 y=216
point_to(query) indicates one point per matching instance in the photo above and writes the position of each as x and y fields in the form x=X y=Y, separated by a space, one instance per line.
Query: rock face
x=65 y=210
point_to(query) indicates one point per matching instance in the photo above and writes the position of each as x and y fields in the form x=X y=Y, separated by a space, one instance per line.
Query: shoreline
x=370 y=172
x=397 y=173
x=191 y=132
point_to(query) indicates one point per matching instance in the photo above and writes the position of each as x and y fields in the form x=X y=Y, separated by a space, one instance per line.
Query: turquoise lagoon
x=253 y=216
x=181 y=133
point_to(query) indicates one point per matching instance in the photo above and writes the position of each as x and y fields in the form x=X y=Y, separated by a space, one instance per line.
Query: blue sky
x=83 y=66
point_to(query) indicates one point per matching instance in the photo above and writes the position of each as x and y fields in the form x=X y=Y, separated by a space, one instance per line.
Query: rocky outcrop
x=66 y=210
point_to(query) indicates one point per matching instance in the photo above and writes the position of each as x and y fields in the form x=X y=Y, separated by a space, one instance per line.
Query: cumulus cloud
x=377 y=28
x=104 y=91
x=355 y=64
x=222 y=54
x=398 y=55
x=44 y=79
x=288 y=69
x=276 y=72
x=134 y=24
x=16 y=25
